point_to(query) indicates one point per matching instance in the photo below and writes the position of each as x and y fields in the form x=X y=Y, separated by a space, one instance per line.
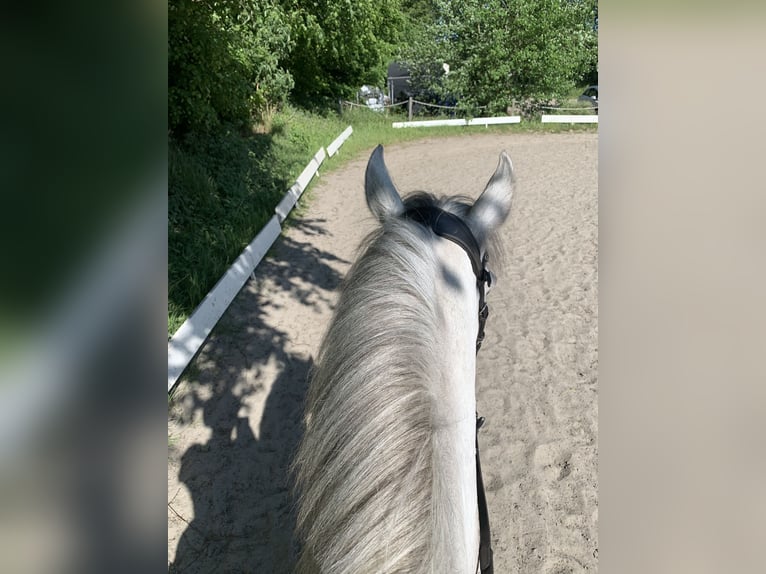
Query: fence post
x=340 y=106
x=409 y=109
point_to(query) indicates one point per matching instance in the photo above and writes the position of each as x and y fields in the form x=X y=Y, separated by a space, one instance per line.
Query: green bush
x=220 y=193
x=504 y=53
x=340 y=45
x=223 y=63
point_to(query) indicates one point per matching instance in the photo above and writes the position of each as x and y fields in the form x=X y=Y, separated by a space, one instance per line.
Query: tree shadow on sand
x=243 y=518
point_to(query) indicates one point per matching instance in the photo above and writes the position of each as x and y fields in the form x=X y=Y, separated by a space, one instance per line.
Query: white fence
x=459 y=122
x=337 y=142
x=188 y=339
x=570 y=119
x=546 y=119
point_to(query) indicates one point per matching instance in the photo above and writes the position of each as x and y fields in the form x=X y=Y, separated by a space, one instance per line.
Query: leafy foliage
x=340 y=45
x=506 y=53
x=223 y=62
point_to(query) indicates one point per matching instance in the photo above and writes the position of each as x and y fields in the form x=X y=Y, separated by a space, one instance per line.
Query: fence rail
x=560 y=109
x=337 y=142
x=459 y=122
x=569 y=119
x=545 y=118
x=189 y=338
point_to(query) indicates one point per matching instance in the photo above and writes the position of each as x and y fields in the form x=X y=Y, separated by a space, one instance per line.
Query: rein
x=452 y=227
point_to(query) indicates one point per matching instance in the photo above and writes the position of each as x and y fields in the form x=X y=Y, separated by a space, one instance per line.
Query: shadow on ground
x=243 y=518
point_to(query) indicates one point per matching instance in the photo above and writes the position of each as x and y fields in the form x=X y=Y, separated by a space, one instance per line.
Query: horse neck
x=455 y=514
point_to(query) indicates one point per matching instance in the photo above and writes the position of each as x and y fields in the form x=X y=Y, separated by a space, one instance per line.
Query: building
x=398 y=82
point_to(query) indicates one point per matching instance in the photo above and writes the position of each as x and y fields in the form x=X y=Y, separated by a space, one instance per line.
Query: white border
x=337 y=142
x=188 y=339
x=428 y=123
x=288 y=202
x=570 y=119
x=185 y=343
x=492 y=121
x=459 y=122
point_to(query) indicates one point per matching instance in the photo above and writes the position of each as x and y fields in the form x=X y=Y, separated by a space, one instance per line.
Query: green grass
x=222 y=190
x=223 y=187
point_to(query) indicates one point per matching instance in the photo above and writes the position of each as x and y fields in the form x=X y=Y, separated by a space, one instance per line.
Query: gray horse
x=386 y=471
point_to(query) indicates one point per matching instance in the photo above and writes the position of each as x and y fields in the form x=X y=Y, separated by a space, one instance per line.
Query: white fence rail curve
x=569 y=119
x=189 y=338
x=545 y=118
x=459 y=122
x=337 y=142
x=494 y=121
x=186 y=342
x=429 y=123
x=308 y=172
x=288 y=202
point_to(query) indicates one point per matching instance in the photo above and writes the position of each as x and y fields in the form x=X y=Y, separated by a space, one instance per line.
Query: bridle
x=450 y=226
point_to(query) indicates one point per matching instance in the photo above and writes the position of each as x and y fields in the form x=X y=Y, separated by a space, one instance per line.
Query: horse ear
x=382 y=197
x=494 y=204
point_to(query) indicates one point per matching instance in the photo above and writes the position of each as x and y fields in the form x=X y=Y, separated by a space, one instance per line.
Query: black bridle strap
x=485 y=536
x=450 y=226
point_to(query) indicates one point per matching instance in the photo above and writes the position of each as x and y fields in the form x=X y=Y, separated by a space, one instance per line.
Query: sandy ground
x=236 y=417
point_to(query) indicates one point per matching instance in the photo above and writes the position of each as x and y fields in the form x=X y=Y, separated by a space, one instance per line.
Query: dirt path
x=236 y=418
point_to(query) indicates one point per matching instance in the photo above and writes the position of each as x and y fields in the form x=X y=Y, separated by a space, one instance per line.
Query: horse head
x=388 y=464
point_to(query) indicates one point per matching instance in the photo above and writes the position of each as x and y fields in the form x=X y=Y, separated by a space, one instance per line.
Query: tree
x=340 y=45
x=504 y=51
x=223 y=62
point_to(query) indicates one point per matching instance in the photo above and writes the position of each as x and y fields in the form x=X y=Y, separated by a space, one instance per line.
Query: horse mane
x=364 y=469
